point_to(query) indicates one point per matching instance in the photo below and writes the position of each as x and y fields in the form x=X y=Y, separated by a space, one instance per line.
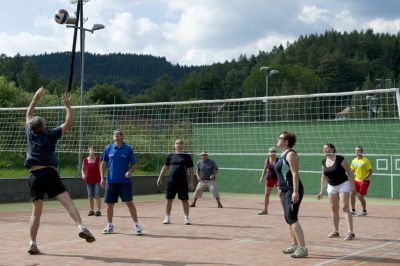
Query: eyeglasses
x=204 y=155
x=272 y=151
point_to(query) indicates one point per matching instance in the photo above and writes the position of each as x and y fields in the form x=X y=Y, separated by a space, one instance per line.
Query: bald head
x=38 y=124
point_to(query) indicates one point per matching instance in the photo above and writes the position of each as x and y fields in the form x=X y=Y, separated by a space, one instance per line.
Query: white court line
x=356 y=253
x=50 y=244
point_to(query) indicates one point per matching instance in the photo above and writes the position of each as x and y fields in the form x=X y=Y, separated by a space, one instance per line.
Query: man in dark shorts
x=120 y=162
x=41 y=161
x=180 y=163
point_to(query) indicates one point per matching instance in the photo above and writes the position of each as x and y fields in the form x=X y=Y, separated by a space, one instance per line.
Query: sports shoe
x=84 y=233
x=167 y=220
x=97 y=213
x=192 y=205
x=334 y=234
x=138 y=229
x=90 y=213
x=362 y=213
x=263 y=212
x=290 y=250
x=350 y=236
x=33 y=249
x=301 y=252
x=186 y=221
x=353 y=212
x=220 y=205
x=109 y=229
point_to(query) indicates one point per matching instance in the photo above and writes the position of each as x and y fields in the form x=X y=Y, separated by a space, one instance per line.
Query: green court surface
x=240 y=151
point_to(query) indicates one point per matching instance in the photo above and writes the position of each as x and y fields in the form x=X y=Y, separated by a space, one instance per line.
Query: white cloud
x=384 y=26
x=344 y=21
x=26 y=43
x=187 y=31
x=312 y=14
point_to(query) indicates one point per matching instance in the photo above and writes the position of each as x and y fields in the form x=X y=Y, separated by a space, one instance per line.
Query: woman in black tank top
x=290 y=192
x=336 y=172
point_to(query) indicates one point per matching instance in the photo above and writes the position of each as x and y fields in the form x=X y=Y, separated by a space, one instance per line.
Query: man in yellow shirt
x=361 y=168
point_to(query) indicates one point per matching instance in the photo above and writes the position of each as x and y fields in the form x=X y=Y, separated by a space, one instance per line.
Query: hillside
x=130 y=72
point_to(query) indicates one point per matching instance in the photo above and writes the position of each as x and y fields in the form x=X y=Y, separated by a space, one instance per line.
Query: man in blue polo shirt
x=120 y=161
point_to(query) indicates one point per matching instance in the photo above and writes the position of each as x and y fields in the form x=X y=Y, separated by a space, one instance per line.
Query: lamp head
x=273 y=72
x=98 y=27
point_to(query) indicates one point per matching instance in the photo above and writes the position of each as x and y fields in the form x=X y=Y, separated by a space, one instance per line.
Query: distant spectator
x=91 y=175
x=271 y=181
x=361 y=167
x=206 y=171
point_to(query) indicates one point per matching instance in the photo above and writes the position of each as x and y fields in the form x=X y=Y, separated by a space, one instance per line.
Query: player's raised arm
x=67 y=125
x=36 y=97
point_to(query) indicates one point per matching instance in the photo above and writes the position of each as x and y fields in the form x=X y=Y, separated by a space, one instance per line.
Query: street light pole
x=267 y=75
x=82 y=31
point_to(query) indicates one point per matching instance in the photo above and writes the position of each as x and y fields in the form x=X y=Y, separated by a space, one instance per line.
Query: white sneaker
x=186 y=220
x=138 y=229
x=362 y=214
x=109 y=229
x=353 y=212
x=167 y=220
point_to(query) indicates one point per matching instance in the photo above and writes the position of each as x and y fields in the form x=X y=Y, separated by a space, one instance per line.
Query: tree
x=105 y=94
x=162 y=90
x=29 y=77
x=11 y=96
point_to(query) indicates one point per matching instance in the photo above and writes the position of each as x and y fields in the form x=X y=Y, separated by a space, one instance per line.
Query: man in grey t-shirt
x=206 y=171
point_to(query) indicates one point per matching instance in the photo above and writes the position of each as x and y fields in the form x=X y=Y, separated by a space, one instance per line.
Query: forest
x=329 y=62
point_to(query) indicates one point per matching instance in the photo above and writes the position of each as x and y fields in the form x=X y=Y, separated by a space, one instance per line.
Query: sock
x=109 y=224
x=81 y=227
x=186 y=217
x=32 y=242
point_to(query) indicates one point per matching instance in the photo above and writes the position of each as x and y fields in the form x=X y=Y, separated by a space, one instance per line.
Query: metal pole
x=81 y=90
x=266 y=94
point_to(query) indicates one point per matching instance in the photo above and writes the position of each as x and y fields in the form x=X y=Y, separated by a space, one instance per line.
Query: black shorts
x=115 y=190
x=177 y=187
x=45 y=181
x=291 y=210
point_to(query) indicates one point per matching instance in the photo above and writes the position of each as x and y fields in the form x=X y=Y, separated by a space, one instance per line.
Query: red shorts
x=271 y=182
x=362 y=187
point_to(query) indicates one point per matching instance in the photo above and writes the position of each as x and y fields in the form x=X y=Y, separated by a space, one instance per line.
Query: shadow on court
x=134 y=261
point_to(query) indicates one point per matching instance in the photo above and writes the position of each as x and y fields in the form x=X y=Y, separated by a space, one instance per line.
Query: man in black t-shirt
x=180 y=164
x=41 y=162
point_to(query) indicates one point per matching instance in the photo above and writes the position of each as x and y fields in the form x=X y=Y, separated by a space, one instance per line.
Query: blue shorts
x=115 y=190
x=45 y=181
x=93 y=190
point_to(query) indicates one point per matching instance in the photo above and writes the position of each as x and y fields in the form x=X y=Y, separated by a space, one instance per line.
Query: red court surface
x=234 y=235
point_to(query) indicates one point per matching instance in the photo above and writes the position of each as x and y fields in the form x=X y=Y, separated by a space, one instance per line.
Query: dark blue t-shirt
x=178 y=163
x=285 y=177
x=118 y=160
x=42 y=148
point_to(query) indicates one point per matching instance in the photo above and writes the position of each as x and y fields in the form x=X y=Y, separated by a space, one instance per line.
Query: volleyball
x=61 y=16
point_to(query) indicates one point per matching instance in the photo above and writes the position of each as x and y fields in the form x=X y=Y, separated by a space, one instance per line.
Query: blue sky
x=188 y=32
